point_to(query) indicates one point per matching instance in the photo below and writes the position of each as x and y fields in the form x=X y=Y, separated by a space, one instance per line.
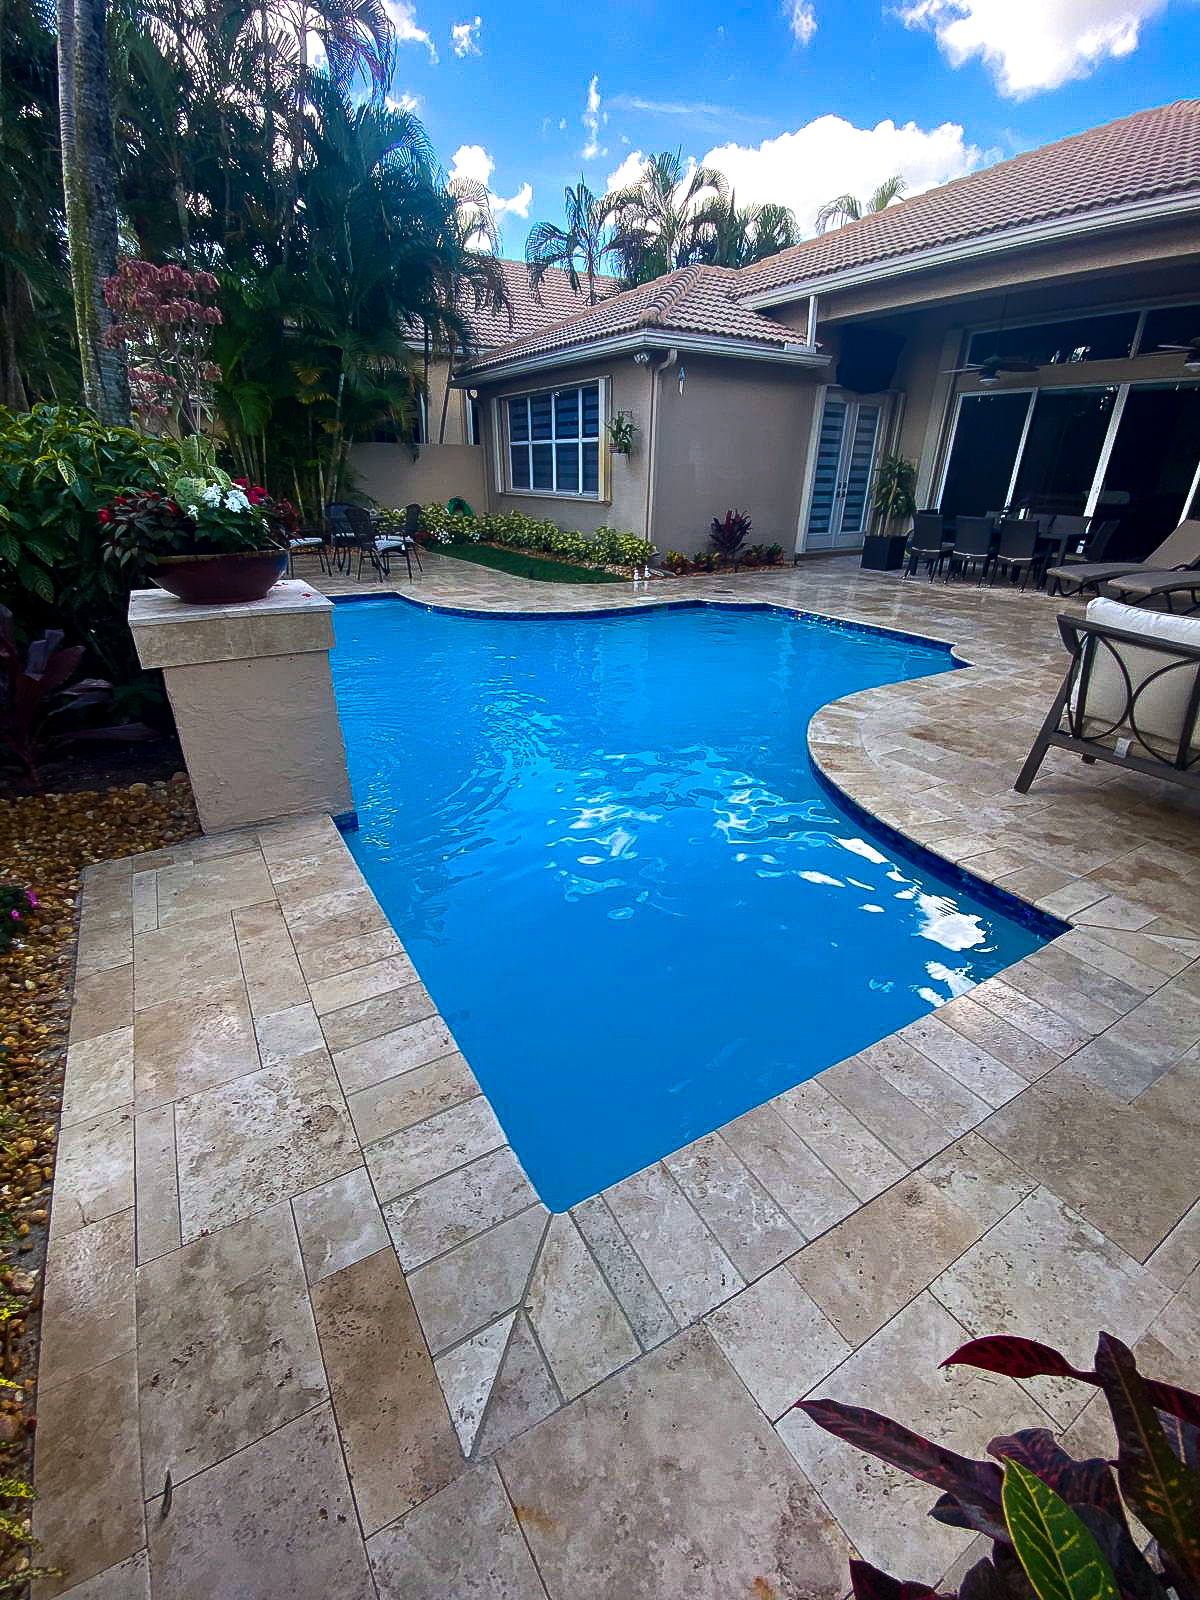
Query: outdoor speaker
x=867 y=358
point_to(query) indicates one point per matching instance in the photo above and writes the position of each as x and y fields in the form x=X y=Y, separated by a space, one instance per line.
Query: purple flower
x=15 y=914
x=31 y=897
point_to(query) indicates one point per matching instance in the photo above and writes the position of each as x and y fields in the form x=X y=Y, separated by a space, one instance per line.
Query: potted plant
x=621 y=430
x=206 y=538
x=894 y=499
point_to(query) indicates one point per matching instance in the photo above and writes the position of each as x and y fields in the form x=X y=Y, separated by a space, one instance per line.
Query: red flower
x=104 y=517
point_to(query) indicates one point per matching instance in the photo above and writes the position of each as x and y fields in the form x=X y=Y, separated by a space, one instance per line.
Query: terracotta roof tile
x=558 y=300
x=1139 y=157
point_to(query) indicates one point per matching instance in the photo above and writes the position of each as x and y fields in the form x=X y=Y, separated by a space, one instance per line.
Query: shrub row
x=607 y=547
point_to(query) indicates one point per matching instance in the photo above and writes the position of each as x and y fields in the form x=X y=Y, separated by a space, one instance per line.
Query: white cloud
x=403 y=17
x=802 y=19
x=591 y=119
x=627 y=173
x=562 y=124
x=1030 y=45
x=404 y=102
x=473 y=161
x=465 y=37
x=830 y=156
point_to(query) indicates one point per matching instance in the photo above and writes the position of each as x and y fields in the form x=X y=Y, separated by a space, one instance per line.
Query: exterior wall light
x=641 y=358
x=682 y=380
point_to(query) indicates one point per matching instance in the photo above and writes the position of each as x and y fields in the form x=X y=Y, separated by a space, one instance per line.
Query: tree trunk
x=89 y=189
x=446 y=391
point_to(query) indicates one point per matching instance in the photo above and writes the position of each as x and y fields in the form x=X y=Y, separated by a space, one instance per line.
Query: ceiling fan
x=1189 y=351
x=991 y=367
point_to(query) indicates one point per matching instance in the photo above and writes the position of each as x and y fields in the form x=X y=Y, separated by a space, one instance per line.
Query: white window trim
x=508 y=444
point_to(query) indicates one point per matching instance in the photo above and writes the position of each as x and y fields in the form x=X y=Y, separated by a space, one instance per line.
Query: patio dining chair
x=352 y=534
x=974 y=545
x=1017 y=550
x=928 y=543
x=405 y=542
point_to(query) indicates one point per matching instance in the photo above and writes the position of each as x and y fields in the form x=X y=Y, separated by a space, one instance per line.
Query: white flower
x=211 y=494
x=235 y=500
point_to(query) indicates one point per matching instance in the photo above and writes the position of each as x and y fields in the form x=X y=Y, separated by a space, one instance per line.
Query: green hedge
x=607 y=547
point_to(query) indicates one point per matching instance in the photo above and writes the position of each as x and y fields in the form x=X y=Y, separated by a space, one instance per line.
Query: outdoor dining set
x=352 y=534
x=1002 y=544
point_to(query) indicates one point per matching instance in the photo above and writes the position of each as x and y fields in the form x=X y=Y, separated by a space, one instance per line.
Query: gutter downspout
x=668 y=361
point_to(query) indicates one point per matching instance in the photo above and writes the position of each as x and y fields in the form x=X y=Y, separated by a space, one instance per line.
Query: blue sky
x=796 y=101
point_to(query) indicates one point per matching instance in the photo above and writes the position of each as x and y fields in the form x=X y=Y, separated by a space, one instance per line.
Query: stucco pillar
x=252 y=694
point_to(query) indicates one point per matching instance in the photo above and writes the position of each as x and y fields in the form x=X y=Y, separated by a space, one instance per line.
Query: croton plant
x=1059 y=1527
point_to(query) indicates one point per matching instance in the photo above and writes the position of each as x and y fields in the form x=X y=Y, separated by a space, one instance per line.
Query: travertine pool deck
x=296 y=1272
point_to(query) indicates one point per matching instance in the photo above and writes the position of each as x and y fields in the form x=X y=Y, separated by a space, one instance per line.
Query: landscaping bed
x=527 y=564
x=45 y=842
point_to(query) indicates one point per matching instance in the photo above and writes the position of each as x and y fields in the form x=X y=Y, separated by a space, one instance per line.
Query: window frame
x=554 y=442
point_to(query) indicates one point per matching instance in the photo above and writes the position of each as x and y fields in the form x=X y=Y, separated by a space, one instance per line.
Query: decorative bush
x=729 y=533
x=15 y=905
x=607 y=547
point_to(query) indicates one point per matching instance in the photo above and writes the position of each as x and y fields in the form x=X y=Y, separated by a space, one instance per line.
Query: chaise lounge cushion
x=1160 y=708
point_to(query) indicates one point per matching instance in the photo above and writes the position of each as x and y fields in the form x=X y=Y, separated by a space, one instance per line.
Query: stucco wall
x=388 y=474
x=737 y=436
x=622 y=502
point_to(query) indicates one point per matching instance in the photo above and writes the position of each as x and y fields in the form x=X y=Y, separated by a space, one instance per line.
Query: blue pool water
x=601 y=840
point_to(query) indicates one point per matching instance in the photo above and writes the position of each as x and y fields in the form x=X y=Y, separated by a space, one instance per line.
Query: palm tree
x=729 y=235
x=847 y=208
x=775 y=229
x=578 y=248
x=89 y=170
x=469 y=246
x=658 y=224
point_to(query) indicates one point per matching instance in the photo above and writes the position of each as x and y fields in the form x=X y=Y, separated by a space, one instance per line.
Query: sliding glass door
x=984 y=453
x=1151 y=479
x=1062 y=450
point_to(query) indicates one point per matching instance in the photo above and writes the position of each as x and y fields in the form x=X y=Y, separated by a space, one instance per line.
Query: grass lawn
x=522 y=565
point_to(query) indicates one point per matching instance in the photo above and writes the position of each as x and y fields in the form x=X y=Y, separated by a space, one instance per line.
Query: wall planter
x=230 y=578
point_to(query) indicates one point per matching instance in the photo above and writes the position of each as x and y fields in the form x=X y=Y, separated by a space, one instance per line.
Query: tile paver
x=1006 y=1164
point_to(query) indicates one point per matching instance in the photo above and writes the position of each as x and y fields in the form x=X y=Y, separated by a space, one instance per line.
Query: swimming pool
x=605 y=849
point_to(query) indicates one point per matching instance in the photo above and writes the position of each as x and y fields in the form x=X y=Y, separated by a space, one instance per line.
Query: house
x=1028 y=334
x=442 y=460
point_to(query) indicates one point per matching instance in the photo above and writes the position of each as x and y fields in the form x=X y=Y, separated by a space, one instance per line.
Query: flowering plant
x=206 y=513
x=162 y=319
x=15 y=905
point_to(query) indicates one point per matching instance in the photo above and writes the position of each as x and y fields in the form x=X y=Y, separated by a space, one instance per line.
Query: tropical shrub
x=218 y=517
x=162 y=320
x=1059 y=1527
x=607 y=547
x=58 y=468
x=675 y=561
x=729 y=533
x=895 y=492
x=36 y=688
x=15 y=905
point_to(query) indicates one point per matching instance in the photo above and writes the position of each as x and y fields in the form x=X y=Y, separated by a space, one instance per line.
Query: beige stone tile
x=1073 y=989
x=432 y=1148
x=984 y=1029
x=290 y=1038
x=88 y=1312
x=88 y=1514
x=376 y=1059
x=344 y=955
x=1179 y=1253
x=811 y=1195
x=746 y=1222
x=339 y=1222
x=687 y=1265
x=352 y=987
x=264 y=1137
x=892 y=1117
x=181 y=1048
x=1166 y=957
x=395 y=1430
x=332 y=918
x=1046 y=1025
x=1111 y=911
x=156 y=1184
x=1094 y=1152
x=944 y=1100
x=883 y=1510
x=990 y=1080
x=747 y=1518
x=478 y=1281
x=1121 y=963
x=99 y=1076
x=273 y=977
x=864 y=1270
x=578 y=1322
x=522 y=1394
x=204 y=949
x=382 y=1014
x=145 y=901
x=103 y=1002
x=1044 y=1273
x=101 y=949
x=274 y=1520
x=93 y=1176
x=442 y=1214
x=626 y=1276
x=209 y=886
x=128 y=1580
x=463 y=1543
x=777 y=1340
x=310 y=877
x=978 y=1179
x=227 y=1346
x=467 y=1375
x=1135 y=1052
x=836 y=1137
x=410 y=1097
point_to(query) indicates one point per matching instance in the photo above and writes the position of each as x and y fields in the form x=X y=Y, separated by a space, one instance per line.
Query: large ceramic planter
x=220 y=580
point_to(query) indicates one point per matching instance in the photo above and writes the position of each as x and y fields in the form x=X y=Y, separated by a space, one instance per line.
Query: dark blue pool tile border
x=950 y=873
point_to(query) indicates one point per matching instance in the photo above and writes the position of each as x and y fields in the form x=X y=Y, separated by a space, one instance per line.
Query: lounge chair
x=1139 y=587
x=1131 y=696
x=1180 y=550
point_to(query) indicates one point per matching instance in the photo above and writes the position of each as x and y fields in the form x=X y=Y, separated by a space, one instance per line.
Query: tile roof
x=696 y=299
x=558 y=300
x=1151 y=153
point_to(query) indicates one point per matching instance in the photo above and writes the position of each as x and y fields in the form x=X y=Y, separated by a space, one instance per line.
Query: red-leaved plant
x=163 y=319
x=1059 y=1527
x=729 y=533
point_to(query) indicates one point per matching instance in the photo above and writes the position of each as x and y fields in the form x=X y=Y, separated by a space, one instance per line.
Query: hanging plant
x=621 y=430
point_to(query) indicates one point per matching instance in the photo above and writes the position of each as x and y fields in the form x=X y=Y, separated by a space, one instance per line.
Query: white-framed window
x=554 y=441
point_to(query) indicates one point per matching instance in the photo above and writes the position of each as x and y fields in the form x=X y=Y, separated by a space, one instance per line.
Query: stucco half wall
x=387 y=473
x=736 y=436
